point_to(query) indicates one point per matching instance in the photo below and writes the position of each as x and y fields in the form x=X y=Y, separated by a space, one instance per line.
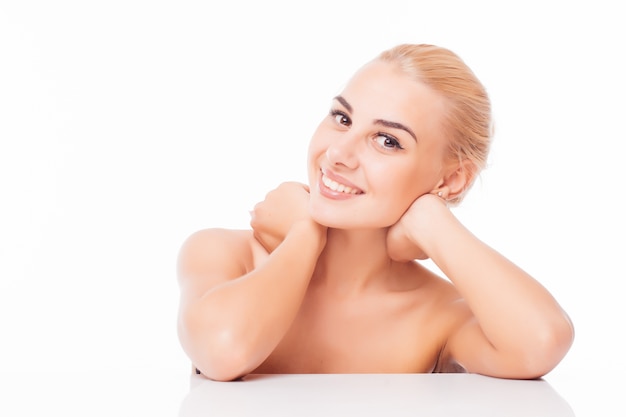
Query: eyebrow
x=395 y=125
x=386 y=123
x=344 y=103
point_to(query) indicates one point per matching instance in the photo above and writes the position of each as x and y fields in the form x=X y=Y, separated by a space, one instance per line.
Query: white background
x=127 y=125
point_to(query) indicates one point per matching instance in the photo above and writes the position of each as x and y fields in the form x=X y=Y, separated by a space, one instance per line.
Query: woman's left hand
x=404 y=238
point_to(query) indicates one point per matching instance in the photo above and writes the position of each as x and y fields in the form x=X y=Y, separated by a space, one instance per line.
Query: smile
x=339 y=188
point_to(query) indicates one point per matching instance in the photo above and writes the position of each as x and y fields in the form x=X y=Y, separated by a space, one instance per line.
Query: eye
x=341 y=118
x=387 y=141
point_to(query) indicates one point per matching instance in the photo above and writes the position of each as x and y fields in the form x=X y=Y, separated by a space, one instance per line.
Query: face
x=380 y=147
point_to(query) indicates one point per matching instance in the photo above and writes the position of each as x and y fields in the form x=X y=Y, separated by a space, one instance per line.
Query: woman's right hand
x=272 y=218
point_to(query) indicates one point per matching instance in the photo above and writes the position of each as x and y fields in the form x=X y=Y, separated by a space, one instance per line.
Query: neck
x=353 y=260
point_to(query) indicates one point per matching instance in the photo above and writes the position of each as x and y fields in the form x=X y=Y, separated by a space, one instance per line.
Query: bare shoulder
x=447 y=302
x=449 y=306
x=454 y=314
x=211 y=256
x=439 y=291
x=445 y=312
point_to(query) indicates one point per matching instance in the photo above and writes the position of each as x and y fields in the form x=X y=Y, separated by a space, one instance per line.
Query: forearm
x=236 y=325
x=515 y=312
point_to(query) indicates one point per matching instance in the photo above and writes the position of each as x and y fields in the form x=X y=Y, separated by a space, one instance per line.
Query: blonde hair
x=468 y=119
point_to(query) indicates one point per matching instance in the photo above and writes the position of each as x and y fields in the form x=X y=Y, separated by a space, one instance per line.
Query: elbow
x=549 y=348
x=216 y=352
x=223 y=358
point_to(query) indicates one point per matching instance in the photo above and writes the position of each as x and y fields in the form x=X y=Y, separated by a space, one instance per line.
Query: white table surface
x=142 y=393
x=376 y=395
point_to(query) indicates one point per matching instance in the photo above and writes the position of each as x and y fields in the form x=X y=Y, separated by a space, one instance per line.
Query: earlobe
x=457 y=181
x=442 y=193
x=441 y=190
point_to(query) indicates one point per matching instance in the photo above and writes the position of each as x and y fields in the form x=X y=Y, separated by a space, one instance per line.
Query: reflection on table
x=373 y=394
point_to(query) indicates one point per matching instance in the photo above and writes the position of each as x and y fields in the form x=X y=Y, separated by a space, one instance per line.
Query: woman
x=328 y=279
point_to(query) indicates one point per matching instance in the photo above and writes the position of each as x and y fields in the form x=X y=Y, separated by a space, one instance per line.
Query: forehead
x=380 y=90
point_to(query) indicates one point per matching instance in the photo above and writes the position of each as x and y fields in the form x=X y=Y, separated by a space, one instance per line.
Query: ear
x=456 y=180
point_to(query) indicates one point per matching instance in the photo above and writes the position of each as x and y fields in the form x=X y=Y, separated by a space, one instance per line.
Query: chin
x=357 y=213
x=347 y=220
x=332 y=217
x=329 y=218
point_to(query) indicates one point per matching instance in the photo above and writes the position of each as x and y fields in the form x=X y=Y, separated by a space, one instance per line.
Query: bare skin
x=398 y=322
x=327 y=280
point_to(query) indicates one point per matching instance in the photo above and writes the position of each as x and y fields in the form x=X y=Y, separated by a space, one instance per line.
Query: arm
x=231 y=320
x=513 y=327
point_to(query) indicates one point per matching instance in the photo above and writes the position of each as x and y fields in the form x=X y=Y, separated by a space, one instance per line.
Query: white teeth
x=335 y=186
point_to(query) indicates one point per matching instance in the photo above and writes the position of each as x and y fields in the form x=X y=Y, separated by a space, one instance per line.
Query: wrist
x=313 y=232
x=429 y=222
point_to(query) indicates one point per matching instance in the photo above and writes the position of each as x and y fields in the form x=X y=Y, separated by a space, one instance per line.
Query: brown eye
x=341 y=118
x=387 y=141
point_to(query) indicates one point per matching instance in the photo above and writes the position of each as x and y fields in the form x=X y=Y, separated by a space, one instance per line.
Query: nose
x=343 y=152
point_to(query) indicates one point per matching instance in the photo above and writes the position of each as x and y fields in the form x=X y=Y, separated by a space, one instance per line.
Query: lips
x=338 y=184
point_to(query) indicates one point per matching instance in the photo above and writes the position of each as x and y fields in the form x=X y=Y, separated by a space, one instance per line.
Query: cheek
x=316 y=152
x=399 y=191
x=316 y=142
x=393 y=208
x=312 y=149
x=313 y=158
